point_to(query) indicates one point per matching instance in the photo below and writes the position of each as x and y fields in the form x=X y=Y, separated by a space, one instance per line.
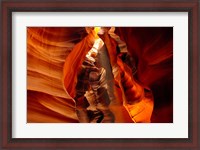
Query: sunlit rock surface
x=48 y=48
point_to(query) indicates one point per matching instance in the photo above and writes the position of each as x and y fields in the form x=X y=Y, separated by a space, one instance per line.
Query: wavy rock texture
x=47 y=49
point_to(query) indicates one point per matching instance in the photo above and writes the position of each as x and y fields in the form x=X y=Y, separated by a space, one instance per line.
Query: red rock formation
x=48 y=48
x=152 y=48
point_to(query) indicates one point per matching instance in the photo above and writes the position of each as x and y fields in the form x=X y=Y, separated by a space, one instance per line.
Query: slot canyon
x=100 y=75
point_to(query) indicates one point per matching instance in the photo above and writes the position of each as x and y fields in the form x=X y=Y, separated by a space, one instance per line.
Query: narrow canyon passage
x=47 y=50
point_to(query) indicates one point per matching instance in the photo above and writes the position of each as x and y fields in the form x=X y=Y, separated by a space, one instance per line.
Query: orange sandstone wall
x=47 y=49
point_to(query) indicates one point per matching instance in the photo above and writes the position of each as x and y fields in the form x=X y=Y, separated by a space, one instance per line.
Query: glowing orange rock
x=128 y=94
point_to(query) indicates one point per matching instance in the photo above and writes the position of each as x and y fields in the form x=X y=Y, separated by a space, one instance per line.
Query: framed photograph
x=100 y=75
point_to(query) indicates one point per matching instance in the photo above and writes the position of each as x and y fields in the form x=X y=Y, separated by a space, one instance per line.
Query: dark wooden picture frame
x=9 y=6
